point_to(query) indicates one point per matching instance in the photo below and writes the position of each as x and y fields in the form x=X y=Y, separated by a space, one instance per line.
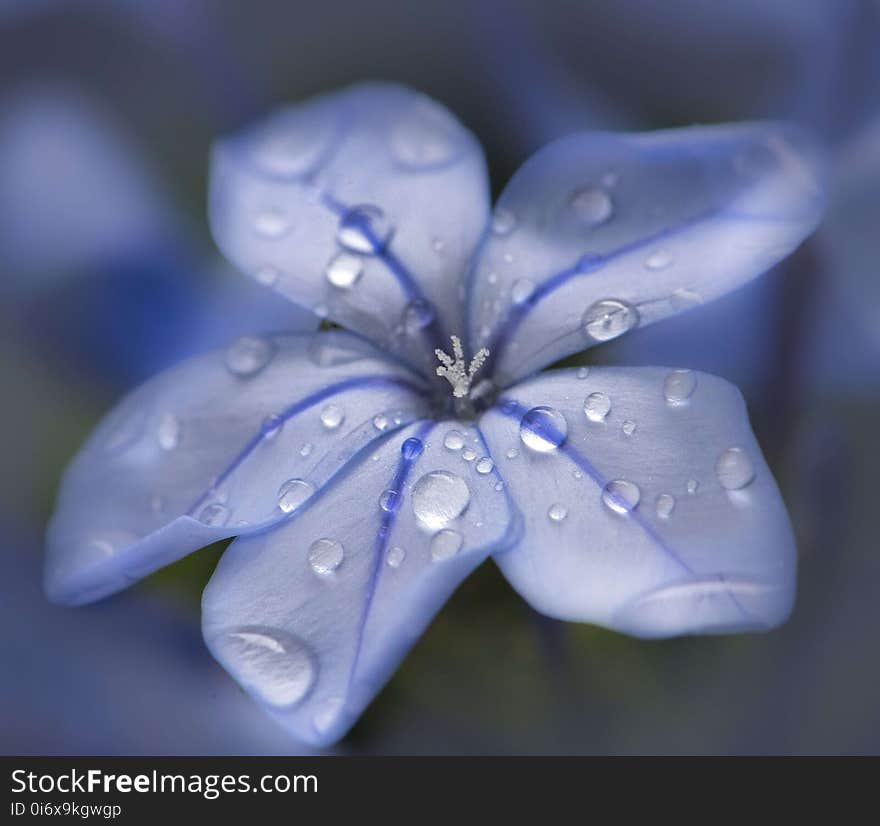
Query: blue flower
x=366 y=472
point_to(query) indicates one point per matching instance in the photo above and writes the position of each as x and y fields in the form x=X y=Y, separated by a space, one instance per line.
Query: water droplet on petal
x=306 y=449
x=271 y=223
x=389 y=501
x=325 y=556
x=660 y=259
x=344 y=270
x=692 y=485
x=734 y=469
x=453 y=440
x=592 y=205
x=608 y=319
x=628 y=427
x=412 y=448
x=469 y=454
x=557 y=512
x=364 y=229
x=267 y=276
x=522 y=290
x=424 y=137
x=679 y=386
x=682 y=300
x=484 y=465
x=665 y=505
x=439 y=497
x=168 y=432
x=293 y=493
x=271 y=426
x=597 y=406
x=583 y=372
x=332 y=416
x=380 y=422
x=248 y=355
x=215 y=515
x=512 y=453
x=395 y=556
x=503 y=221
x=276 y=666
x=445 y=544
x=417 y=315
x=543 y=429
x=621 y=496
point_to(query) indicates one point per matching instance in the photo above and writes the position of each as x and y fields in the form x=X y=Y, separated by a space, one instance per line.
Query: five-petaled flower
x=362 y=487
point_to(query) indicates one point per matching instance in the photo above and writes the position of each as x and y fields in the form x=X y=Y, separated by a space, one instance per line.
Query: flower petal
x=655 y=514
x=364 y=205
x=313 y=617
x=221 y=445
x=600 y=233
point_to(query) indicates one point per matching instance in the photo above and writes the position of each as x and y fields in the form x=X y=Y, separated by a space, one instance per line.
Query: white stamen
x=454 y=368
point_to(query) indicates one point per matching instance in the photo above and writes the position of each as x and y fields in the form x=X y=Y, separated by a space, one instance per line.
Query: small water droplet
x=665 y=505
x=734 y=469
x=592 y=205
x=278 y=667
x=660 y=259
x=364 y=229
x=306 y=449
x=380 y=422
x=503 y=221
x=248 y=355
x=214 y=515
x=417 y=315
x=522 y=290
x=437 y=245
x=423 y=137
x=168 y=432
x=512 y=453
x=445 y=544
x=412 y=448
x=628 y=427
x=325 y=556
x=578 y=474
x=344 y=270
x=395 y=556
x=499 y=485
x=271 y=426
x=597 y=406
x=557 y=512
x=332 y=416
x=469 y=454
x=271 y=223
x=484 y=465
x=453 y=440
x=692 y=485
x=608 y=319
x=389 y=501
x=679 y=386
x=267 y=276
x=293 y=493
x=543 y=429
x=682 y=300
x=492 y=278
x=583 y=372
x=439 y=497
x=621 y=496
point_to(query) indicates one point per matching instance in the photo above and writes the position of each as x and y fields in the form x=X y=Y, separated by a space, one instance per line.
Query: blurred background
x=107 y=111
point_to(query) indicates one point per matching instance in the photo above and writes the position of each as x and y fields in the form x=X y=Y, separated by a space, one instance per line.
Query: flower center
x=455 y=369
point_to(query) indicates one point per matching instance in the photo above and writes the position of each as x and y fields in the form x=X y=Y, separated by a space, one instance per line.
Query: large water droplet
x=412 y=448
x=522 y=290
x=557 y=512
x=445 y=544
x=597 y=406
x=621 y=496
x=439 y=497
x=168 y=432
x=734 y=469
x=214 y=515
x=344 y=270
x=248 y=355
x=364 y=229
x=293 y=493
x=543 y=429
x=274 y=665
x=679 y=386
x=395 y=556
x=424 y=137
x=592 y=205
x=325 y=556
x=665 y=504
x=271 y=223
x=608 y=319
x=453 y=440
x=503 y=221
x=332 y=416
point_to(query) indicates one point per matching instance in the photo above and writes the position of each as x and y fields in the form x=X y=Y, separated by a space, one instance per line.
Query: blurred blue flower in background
x=363 y=486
